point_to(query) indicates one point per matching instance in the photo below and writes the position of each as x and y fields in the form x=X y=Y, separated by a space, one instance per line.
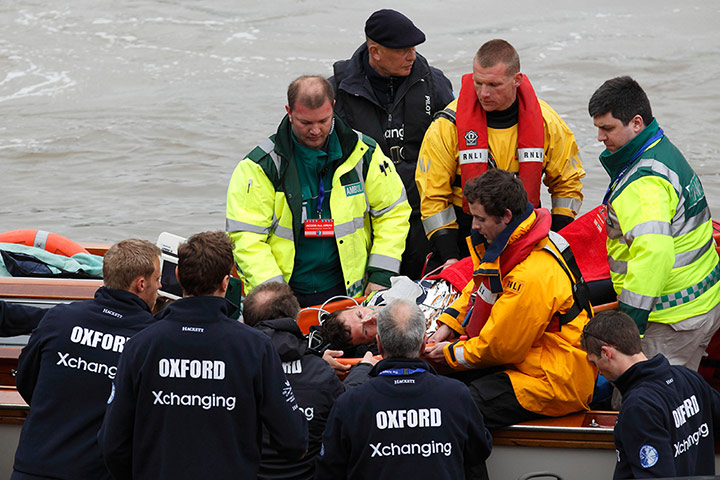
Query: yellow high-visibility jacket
x=661 y=252
x=367 y=202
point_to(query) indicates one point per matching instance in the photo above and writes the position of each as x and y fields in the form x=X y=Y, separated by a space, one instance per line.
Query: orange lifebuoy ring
x=51 y=242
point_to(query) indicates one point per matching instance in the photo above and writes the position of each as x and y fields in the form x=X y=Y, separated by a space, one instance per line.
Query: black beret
x=392 y=29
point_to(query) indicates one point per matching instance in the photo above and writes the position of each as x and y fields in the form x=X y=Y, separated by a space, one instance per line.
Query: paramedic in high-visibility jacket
x=497 y=121
x=317 y=205
x=522 y=312
x=661 y=252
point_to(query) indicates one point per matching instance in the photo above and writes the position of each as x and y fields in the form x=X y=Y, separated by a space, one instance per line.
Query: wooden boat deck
x=580 y=442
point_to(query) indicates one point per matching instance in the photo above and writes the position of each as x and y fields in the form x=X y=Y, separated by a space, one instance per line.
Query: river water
x=126 y=119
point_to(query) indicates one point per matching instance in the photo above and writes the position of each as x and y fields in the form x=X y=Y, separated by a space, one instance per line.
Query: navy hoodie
x=16 y=319
x=65 y=373
x=666 y=422
x=316 y=387
x=407 y=422
x=191 y=396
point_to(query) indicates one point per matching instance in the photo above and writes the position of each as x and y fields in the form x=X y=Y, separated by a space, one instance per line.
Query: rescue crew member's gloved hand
x=559 y=221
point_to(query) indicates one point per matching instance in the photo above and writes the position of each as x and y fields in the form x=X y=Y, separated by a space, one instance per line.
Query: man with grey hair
x=407 y=420
x=390 y=92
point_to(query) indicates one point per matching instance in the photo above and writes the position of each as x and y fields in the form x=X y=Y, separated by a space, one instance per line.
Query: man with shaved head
x=497 y=121
x=317 y=205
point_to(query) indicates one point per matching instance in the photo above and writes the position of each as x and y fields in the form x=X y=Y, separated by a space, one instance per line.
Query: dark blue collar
x=201 y=309
x=652 y=370
x=121 y=296
x=396 y=363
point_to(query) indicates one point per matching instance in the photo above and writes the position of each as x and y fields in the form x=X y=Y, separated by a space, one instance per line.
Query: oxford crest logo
x=648 y=456
x=471 y=138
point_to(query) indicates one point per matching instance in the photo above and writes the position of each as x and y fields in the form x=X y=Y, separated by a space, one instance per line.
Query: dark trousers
x=495 y=397
x=417 y=245
x=464 y=226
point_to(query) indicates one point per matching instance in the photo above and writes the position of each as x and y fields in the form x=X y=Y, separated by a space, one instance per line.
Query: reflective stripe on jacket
x=438 y=170
x=367 y=202
x=662 y=257
x=549 y=372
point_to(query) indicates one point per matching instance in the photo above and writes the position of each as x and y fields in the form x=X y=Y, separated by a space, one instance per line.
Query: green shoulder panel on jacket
x=265 y=156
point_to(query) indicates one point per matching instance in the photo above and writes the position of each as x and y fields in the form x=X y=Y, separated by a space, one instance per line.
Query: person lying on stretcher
x=351 y=332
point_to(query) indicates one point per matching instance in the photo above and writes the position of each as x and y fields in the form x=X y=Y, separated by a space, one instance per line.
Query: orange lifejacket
x=473 y=150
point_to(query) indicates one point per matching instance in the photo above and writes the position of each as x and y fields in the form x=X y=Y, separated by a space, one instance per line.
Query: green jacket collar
x=614 y=162
x=288 y=174
x=332 y=152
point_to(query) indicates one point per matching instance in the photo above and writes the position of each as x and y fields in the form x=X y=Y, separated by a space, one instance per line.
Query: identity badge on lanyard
x=319 y=227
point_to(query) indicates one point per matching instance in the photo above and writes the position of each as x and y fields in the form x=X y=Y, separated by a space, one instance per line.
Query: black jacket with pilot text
x=666 y=422
x=316 y=387
x=416 y=99
x=65 y=373
x=191 y=396
x=398 y=127
x=407 y=422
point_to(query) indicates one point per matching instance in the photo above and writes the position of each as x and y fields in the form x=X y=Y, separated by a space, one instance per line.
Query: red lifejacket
x=473 y=150
x=494 y=265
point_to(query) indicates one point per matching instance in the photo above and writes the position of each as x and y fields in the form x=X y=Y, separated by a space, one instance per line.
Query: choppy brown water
x=127 y=118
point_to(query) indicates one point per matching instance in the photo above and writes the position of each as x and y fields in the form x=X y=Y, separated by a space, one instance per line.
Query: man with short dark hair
x=522 y=312
x=666 y=424
x=193 y=390
x=390 y=92
x=663 y=262
x=272 y=308
x=350 y=328
x=496 y=122
x=407 y=421
x=66 y=370
x=317 y=205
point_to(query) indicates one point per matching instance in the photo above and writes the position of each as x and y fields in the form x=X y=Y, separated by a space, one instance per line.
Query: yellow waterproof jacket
x=438 y=170
x=367 y=203
x=550 y=373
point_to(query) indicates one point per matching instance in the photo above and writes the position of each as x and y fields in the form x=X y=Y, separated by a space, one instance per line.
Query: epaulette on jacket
x=265 y=156
x=445 y=113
